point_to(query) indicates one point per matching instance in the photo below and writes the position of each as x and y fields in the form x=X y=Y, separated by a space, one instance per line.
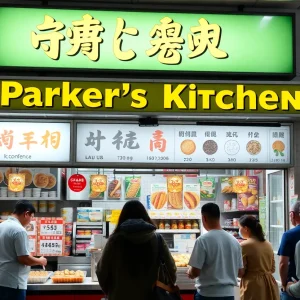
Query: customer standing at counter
x=128 y=268
x=15 y=259
x=216 y=260
x=293 y=288
x=287 y=267
x=259 y=263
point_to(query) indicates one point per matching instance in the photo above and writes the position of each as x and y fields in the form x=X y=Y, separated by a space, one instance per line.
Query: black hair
x=254 y=226
x=23 y=206
x=211 y=211
x=137 y=259
x=133 y=209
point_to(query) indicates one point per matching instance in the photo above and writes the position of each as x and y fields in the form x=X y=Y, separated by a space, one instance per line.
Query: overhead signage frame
x=126 y=145
x=147 y=41
x=36 y=142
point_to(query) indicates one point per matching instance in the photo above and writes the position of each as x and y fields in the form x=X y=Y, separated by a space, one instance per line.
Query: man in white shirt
x=15 y=258
x=216 y=261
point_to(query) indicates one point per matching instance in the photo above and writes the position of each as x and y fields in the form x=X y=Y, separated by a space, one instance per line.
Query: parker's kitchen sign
x=139 y=97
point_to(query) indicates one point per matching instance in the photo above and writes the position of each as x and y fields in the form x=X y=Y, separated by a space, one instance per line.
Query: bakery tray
x=39 y=279
x=68 y=278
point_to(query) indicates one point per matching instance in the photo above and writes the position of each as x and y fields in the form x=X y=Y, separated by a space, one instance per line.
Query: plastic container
x=58 y=277
x=35 y=278
x=67 y=214
x=42 y=206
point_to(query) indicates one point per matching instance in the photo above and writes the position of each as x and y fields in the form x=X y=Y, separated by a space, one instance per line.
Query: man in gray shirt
x=216 y=260
x=15 y=258
x=293 y=288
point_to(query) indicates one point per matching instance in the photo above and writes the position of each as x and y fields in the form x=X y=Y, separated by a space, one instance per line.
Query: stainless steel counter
x=49 y=286
x=183 y=282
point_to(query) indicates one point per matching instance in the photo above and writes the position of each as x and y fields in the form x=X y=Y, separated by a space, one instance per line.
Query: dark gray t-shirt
x=14 y=243
x=219 y=257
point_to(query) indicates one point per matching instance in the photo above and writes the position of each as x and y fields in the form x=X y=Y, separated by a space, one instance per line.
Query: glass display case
x=276 y=211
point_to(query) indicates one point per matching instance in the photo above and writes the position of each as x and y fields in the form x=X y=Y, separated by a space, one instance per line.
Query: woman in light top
x=259 y=264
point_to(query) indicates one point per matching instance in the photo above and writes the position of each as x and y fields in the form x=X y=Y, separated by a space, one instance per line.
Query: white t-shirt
x=219 y=257
x=14 y=243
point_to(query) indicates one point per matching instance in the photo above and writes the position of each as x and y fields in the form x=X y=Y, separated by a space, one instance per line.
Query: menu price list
x=183 y=144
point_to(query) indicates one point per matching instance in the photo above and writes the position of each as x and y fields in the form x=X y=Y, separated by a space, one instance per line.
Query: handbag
x=166 y=290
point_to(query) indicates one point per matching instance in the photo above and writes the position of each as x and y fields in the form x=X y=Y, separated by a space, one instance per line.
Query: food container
x=161 y=225
x=80 y=232
x=56 y=278
x=88 y=232
x=35 y=204
x=89 y=214
x=52 y=206
x=180 y=224
x=39 y=277
x=174 y=224
x=195 y=225
x=96 y=231
x=80 y=247
x=42 y=206
x=67 y=214
x=167 y=225
x=227 y=205
x=188 y=225
x=44 y=194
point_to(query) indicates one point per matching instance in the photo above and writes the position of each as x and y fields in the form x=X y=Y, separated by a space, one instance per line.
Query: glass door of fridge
x=276 y=211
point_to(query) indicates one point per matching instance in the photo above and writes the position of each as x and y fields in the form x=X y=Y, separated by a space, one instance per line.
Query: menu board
x=168 y=144
x=51 y=240
x=35 y=142
x=40 y=183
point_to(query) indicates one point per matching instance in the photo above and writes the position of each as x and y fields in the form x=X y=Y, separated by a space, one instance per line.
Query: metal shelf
x=230 y=227
x=85 y=224
x=276 y=201
x=178 y=231
x=84 y=237
x=240 y=211
x=277 y=226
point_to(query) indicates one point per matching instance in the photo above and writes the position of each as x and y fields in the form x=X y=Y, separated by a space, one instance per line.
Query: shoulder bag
x=166 y=290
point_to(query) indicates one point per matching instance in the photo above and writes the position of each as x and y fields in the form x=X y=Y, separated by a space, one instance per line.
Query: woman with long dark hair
x=259 y=264
x=128 y=268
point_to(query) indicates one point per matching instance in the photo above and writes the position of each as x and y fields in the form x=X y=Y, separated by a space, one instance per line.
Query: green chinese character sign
x=154 y=41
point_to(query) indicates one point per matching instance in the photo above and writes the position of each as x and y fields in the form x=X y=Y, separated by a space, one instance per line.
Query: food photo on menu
x=38 y=182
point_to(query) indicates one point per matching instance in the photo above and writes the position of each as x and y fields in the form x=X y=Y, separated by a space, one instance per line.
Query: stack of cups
x=51 y=206
x=44 y=194
x=42 y=206
x=28 y=193
x=34 y=204
x=36 y=193
x=11 y=194
x=20 y=194
x=3 y=192
x=52 y=194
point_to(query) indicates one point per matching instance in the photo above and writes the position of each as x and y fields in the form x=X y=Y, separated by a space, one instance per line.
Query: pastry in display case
x=38 y=276
x=182 y=259
x=68 y=276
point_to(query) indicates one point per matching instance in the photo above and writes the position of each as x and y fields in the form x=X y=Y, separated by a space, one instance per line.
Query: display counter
x=91 y=289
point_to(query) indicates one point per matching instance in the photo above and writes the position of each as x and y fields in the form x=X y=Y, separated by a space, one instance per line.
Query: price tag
x=51 y=247
x=51 y=226
x=51 y=229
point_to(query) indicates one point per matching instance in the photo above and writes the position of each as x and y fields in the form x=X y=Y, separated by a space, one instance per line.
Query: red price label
x=77 y=183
